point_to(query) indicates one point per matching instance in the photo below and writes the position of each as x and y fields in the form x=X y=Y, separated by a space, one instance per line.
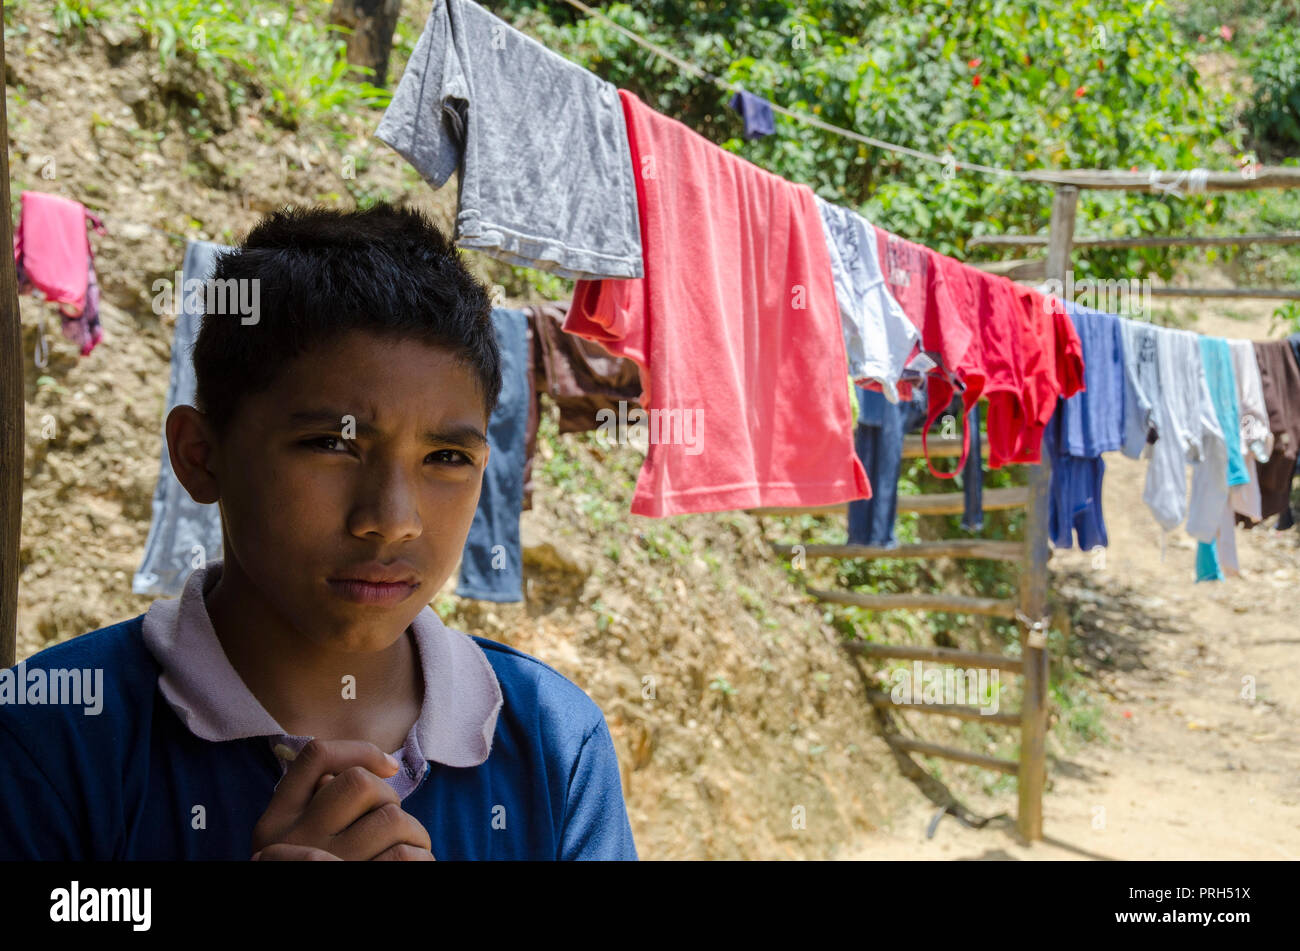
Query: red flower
x=1201 y=38
x=1133 y=168
x=975 y=63
x=976 y=80
x=1226 y=33
x=1079 y=93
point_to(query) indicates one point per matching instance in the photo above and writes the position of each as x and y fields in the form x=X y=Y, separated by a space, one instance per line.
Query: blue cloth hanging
x=757 y=113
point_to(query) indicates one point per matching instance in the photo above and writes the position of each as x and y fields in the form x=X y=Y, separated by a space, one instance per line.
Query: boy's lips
x=373 y=583
x=375 y=573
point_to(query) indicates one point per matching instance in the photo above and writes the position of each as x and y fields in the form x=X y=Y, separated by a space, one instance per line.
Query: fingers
x=404 y=853
x=338 y=805
x=318 y=759
x=378 y=831
x=287 y=852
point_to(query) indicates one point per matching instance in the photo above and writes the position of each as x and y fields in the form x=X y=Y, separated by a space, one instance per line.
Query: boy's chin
x=357 y=630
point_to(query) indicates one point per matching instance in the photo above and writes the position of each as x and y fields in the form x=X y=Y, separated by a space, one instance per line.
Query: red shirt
x=1052 y=366
x=951 y=330
x=1069 y=352
x=906 y=267
x=999 y=332
x=736 y=322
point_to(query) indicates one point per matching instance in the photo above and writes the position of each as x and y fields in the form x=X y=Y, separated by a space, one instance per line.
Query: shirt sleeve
x=610 y=312
x=595 y=817
x=425 y=119
x=1069 y=353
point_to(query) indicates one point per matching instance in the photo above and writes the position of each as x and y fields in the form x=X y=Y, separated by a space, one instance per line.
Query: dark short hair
x=323 y=273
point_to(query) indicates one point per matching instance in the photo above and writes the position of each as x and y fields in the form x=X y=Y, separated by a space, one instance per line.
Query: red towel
x=735 y=322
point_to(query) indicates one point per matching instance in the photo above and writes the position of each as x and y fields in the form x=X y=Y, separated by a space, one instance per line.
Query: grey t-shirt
x=547 y=178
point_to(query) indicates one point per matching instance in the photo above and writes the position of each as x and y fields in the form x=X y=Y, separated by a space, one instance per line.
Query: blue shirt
x=1093 y=419
x=133 y=782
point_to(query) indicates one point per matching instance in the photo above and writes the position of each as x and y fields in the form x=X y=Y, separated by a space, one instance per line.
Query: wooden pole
x=1218 y=240
x=1256 y=293
x=1183 y=184
x=938 y=655
x=1033 y=580
x=12 y=435
x=971 y=548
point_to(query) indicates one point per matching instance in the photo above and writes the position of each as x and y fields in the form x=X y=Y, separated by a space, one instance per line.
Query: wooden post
x=1033 y=580
x=12 y=434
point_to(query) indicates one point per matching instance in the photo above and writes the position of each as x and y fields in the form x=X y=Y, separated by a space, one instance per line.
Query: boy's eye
x=337 y=445
x=451 y=457
x=327 y=443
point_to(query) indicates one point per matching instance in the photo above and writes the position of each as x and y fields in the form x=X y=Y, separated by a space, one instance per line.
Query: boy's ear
x=191 y=445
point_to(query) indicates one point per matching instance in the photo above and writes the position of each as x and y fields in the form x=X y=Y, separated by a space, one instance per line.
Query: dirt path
x=1194 y=770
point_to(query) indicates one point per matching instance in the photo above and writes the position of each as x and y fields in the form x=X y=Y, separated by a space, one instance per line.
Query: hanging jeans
x=878 y=441
x=491 y=565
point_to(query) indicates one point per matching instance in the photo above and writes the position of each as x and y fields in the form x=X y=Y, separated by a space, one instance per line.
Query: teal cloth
x=1207 y=562
x=1217 y=360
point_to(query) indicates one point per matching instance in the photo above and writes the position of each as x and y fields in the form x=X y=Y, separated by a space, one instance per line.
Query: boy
x=343 y=435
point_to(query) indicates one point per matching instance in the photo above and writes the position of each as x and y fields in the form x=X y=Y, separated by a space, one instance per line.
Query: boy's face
x=364 y=459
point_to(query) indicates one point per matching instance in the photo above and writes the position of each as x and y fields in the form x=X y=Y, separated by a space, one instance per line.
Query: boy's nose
x=387 y=505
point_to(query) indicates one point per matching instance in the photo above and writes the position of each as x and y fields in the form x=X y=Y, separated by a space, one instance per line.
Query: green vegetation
x=288 y=59
x=1274 y=113
x=1010 y=83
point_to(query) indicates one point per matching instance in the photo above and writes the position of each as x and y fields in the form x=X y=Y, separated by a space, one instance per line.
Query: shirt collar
x=458 y=713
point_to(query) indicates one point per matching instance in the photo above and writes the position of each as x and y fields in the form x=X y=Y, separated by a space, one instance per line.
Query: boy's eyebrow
x=464 y=435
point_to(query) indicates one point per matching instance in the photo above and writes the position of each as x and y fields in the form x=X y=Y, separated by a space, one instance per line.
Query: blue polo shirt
x=127 y=777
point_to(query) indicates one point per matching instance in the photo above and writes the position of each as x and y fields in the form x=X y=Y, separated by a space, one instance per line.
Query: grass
x=291 y=60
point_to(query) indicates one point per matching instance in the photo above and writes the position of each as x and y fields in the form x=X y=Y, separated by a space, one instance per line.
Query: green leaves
x=1274 y=115
x=1076 y=83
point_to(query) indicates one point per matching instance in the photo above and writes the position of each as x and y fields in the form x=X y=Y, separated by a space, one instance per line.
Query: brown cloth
x=579 y=375
x=1280 y=374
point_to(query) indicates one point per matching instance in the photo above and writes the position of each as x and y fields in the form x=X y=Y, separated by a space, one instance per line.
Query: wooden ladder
x=1030 y=606
x=1032 y=554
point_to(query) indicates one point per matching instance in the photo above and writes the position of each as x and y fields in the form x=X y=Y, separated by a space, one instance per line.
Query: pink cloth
x=52 y=254
x=52 y=244
x=734 y=322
